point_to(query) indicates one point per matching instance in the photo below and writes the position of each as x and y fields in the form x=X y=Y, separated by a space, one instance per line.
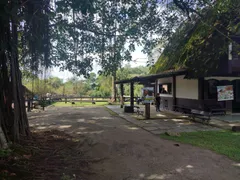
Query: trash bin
x=128 y=109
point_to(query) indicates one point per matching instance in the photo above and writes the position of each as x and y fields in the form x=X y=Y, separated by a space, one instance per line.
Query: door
x=236 y=101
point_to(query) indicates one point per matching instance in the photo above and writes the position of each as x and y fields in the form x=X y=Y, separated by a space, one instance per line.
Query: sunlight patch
x=41 y=127
x=133 y=128
x=93 y=132
x=189 y=166
x=99 y=118
x=156 y=176
x=65 y=126
x=160 y=115
x=179 y=170
x=177 y=120
x=81 y=120
x=92 y=121
x=236 y=164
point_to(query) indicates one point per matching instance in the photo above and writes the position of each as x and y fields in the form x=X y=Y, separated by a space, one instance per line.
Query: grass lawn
x=222 y=142
x=77 y=104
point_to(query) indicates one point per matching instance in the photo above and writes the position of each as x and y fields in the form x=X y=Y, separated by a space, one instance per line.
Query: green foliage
x=55 y=82
x=44 y=103
x=71 y=34
x=5 y=152
x=127 y=72
x=203 y=42
x=93 y=85
x=223 y=142
x=108 y=32
x=104 y=86
x=67 y=177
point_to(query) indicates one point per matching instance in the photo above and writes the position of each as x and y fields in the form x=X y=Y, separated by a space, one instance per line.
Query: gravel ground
x=129 y=152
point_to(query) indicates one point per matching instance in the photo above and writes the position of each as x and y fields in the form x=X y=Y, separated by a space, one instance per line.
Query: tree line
x=94 y=85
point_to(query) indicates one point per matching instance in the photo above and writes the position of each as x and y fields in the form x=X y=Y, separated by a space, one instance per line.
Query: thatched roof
x=152 y=78
x=201 y=46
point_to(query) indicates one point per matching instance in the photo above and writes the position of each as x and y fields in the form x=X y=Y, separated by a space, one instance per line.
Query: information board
x=225 y=93
x=148 y=94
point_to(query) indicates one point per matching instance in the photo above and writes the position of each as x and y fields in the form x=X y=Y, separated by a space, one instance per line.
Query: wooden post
x=121 y=96
x=43 y=104
x=201 y=92
x=155 y=91
x=147 y=110
x=174 y=92
x=132 y=94
x=29 y=105
x=156 y=88
x=114 y=89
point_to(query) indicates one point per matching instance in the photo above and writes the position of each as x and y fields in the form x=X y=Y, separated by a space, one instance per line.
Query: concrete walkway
x=163 y=124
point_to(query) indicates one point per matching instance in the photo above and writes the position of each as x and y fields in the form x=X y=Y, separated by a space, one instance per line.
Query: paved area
x=129 y=152
x=164 y=123
x=223 y=122
x=234 y=118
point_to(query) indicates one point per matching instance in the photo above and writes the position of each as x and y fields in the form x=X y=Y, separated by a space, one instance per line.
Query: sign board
x=225 y=93
x=148 y=94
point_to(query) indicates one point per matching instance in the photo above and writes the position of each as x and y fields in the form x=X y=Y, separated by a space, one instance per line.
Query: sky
x=141 y=59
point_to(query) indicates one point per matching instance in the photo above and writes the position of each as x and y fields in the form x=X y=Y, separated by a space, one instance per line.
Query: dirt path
x=131 y=153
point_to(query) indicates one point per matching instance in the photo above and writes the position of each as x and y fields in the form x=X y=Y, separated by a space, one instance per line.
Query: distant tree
x=91 y=81
x=55 y=82
x=104 y=85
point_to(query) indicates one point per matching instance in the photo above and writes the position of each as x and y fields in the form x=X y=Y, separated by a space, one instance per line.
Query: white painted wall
x=223 y=78
x=165 y=80
x=186 y=88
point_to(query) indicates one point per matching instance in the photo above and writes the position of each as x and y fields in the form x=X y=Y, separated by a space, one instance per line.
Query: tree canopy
x=38 y=34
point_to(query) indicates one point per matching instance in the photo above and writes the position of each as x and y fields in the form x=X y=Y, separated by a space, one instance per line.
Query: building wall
x=187 y=94
x=165 y=80
x=186 y=88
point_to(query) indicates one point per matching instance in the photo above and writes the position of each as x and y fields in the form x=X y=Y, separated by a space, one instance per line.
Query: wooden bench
x=203 y=115
x=216 y=110
x=138 y=110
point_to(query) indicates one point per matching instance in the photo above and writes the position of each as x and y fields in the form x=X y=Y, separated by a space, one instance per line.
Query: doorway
x=236 y=101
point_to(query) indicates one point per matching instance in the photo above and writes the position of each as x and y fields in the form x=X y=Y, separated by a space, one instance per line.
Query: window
x=165 y=88
x=235 y=51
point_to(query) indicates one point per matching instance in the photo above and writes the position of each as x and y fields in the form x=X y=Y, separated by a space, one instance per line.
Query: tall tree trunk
x=6 y=115
x=20 y=125
x=3 y=141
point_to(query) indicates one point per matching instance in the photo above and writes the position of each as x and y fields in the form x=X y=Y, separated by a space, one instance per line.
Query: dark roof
x=152 y=78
